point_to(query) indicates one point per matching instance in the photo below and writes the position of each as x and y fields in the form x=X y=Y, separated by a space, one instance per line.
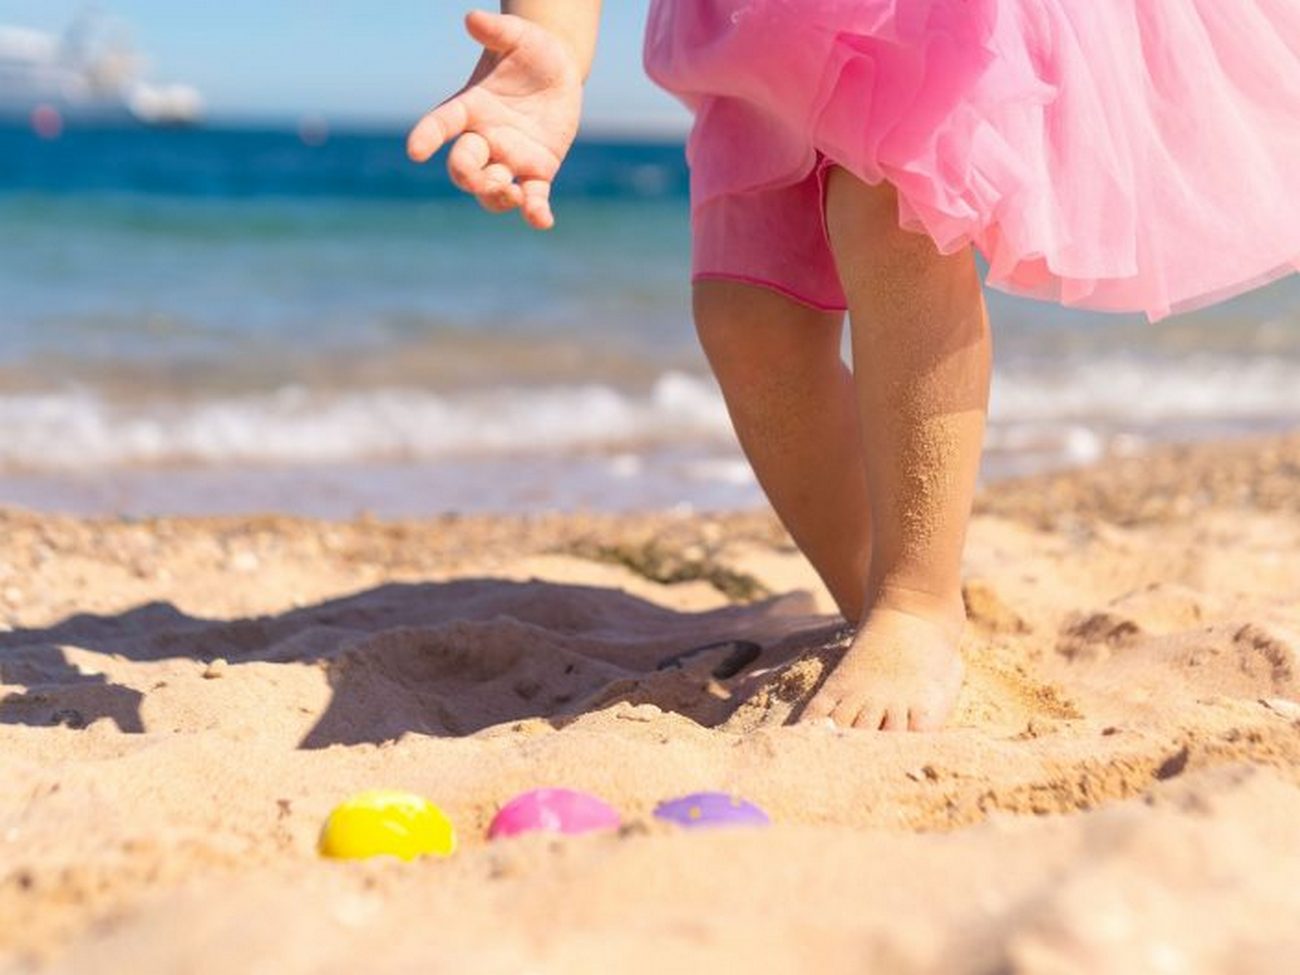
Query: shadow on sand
x=445 y=659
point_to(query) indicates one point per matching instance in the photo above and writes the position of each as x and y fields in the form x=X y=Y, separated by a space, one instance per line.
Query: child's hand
x=513 y=122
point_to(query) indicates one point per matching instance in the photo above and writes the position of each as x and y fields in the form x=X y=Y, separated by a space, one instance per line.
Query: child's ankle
x=946 y=609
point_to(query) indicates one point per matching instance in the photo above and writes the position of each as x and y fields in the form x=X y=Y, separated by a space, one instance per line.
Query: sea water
x=241 y=319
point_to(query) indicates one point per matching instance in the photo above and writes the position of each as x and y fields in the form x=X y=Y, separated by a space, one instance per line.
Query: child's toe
x=845 y=713
x=925 y=718
x=895 y=718
x=819 y=708
x=869 y=717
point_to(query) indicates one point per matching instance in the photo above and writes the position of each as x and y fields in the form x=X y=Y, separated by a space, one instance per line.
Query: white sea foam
x=1132 y=391
x=293 y=425
x=1071 y=414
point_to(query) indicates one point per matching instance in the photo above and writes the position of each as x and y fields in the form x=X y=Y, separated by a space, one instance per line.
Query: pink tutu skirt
x=1120 y=155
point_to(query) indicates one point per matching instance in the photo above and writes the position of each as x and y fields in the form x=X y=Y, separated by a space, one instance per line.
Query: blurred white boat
x=84 y=76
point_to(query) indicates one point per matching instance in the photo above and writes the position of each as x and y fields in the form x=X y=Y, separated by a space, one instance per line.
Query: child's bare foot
x=902 y=672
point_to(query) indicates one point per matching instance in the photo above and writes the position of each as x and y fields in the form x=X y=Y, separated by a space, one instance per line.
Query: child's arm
x=517 y=116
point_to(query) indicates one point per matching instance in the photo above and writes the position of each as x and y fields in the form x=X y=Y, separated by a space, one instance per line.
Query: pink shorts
x=1128 y=155
x=795 y=258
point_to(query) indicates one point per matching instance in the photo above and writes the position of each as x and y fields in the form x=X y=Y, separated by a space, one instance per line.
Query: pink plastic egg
x=564 y=811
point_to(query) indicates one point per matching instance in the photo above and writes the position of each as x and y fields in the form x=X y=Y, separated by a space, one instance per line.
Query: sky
x=282 y=59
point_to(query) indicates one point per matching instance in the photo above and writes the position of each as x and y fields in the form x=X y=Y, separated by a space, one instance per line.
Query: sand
x=183 y=701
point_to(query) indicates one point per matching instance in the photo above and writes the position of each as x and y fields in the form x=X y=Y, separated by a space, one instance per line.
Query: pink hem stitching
x=770 y=285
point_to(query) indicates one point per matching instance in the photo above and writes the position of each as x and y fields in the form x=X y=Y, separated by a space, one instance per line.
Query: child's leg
x=921 y=358
x=792 y=403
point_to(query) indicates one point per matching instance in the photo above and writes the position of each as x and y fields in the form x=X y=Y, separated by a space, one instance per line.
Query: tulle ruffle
x=1121 y=155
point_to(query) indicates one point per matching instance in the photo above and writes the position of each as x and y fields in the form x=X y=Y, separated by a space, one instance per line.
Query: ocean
x=233 y=320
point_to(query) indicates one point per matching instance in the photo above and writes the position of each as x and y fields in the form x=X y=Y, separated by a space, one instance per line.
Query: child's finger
x=439 y=127
x=499 y=192
x=467 y=160
x=537 y=203
x=496 y=32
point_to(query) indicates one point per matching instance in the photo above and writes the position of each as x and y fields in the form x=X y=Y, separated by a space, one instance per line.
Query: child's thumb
x=496 y=32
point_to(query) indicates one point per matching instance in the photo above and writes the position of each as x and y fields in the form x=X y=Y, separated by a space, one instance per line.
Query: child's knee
x=755 y=338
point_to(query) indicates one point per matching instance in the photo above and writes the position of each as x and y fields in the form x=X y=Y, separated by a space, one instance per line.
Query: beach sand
x=182 y=701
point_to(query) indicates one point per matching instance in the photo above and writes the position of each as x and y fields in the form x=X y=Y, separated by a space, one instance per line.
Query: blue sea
x=228 y=320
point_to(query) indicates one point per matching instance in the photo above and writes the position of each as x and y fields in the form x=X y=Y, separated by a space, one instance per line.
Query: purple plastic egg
x=564 y=811
x=711 y=809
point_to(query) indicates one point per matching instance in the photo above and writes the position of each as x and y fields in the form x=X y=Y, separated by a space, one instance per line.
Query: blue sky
x=285 y=58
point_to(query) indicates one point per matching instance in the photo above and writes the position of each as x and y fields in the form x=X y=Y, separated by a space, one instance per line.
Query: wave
x=1140 y=391
x=1066 y=415
x=295 y=425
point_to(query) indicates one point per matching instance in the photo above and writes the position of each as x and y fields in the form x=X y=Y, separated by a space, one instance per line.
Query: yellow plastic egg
x=387 y=823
